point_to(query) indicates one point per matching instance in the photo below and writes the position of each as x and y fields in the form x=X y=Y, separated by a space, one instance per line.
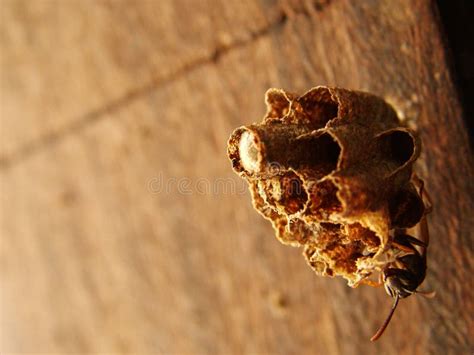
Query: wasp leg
x=408 y=240
x=426 y=294
x=403 y=247
x=423 y=193
x=406 y=243
x=424 y=233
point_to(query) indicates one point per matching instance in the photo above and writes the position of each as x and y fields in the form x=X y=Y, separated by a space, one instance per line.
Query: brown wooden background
x=101 y=98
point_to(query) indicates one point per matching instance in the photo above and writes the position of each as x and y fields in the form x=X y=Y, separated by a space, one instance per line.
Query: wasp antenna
x=385 y=324
x=427 y=294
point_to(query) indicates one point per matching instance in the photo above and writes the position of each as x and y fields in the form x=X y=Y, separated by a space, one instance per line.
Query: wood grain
x=95 y=259
x=66 y=60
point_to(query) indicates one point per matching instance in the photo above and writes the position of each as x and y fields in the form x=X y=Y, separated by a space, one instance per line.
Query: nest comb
x=331 y=170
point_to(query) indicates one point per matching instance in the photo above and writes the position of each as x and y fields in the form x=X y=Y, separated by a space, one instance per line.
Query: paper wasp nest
x=331 y=170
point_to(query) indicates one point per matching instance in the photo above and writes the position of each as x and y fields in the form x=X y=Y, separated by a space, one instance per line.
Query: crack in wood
x=96 y=115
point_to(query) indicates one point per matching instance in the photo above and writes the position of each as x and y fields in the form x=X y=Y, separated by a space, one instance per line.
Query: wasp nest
x=331 y=170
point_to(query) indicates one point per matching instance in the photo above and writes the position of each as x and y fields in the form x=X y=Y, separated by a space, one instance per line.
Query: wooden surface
x=101 y=99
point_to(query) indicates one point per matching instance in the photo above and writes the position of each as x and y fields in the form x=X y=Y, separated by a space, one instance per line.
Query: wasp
x=402 y=277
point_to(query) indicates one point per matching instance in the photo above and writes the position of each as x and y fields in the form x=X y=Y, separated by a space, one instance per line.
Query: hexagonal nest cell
x=331 y=170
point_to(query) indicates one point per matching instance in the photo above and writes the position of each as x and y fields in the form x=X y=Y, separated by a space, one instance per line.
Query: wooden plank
x=167 y=271
x=103 y=263
x=62 y=60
